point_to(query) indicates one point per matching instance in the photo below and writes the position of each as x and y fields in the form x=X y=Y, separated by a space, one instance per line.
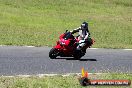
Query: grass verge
x=40 y=22
x=57 y=81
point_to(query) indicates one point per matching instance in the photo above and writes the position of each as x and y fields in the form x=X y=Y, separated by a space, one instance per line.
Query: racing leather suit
x=84 y=34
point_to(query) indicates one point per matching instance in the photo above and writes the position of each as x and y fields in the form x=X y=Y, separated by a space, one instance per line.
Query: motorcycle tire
x=53 y=53
x=77 y=55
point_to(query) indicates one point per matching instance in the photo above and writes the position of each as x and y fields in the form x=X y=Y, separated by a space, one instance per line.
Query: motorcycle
x=66 y=47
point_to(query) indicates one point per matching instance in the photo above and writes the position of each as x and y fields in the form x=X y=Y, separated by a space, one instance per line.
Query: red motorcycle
x=66 y=47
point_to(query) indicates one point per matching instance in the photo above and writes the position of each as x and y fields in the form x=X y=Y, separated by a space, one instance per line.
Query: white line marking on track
x=63 y=75
x=127 y=49
x=49 y=47
x=2 y=45
x=93 y=48
x=29 y=46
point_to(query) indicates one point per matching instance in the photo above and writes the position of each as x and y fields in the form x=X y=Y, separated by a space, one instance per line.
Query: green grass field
x=40 y=22
x=58 y=81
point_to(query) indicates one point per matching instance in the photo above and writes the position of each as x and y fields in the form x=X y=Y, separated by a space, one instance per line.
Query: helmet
x=84 y=25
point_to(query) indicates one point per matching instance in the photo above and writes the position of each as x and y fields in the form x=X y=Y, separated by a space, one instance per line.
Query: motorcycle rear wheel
x=53 y=53
x=77 y=55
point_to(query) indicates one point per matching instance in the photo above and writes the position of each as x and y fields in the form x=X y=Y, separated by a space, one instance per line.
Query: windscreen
x=68 y=35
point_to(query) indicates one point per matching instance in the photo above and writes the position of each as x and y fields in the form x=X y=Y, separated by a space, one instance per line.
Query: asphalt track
x=16 y=60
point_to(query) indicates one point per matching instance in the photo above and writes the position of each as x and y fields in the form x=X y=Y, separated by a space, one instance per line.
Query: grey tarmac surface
x=15 y=60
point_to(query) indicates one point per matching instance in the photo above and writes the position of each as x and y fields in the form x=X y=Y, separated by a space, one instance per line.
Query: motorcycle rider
x=84 y=35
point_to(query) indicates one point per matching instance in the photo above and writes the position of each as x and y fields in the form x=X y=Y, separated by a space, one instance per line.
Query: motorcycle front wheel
x=53 y=53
